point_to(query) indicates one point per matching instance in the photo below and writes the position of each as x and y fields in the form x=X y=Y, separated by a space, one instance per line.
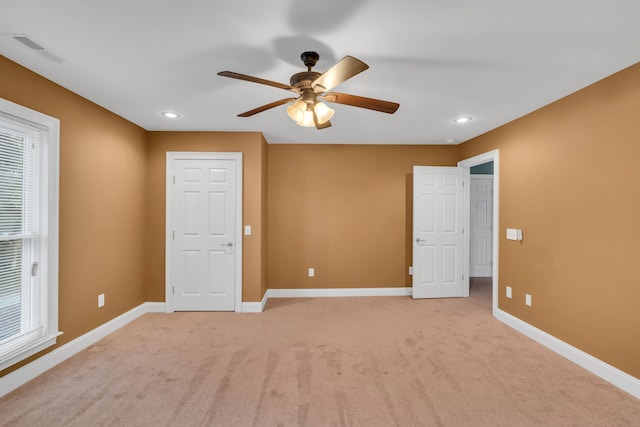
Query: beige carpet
x=322 y=362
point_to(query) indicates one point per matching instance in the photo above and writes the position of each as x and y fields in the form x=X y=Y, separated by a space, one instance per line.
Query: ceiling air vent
x=28 y=42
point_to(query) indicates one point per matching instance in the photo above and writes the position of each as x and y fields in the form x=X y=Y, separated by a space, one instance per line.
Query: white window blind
x=28 y=236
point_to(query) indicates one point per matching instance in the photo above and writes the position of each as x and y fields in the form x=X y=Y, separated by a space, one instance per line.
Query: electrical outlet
x=312 y=272
x=100 y=300
x=509 y=293
x=411 y=271
x=247 y=230
x=527 y=300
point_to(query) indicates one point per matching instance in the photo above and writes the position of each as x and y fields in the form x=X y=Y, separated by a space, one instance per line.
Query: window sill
x=30 y=350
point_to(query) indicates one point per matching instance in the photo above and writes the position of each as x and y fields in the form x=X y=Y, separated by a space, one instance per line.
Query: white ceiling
x=494 y=60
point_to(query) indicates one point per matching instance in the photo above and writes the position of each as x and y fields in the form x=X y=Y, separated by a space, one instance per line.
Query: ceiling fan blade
x=320 y=125
x=362 y=102
x=247 y=78
x=266 y=107
x=346 y=68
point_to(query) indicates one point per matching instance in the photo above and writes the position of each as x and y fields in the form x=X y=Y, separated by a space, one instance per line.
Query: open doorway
x=483 y=238
x=481 y=232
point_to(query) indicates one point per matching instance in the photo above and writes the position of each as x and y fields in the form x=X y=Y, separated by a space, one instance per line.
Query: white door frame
x=491 y=156
x=171 y=157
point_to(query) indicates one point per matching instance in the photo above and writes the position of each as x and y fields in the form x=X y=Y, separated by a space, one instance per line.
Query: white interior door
x=440 y=217
x=481 y=230
x=203 y=227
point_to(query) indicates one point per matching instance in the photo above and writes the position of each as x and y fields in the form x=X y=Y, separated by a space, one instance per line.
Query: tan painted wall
x=569 y=180
x=253 y=147
x=344 y=210
x=102 y=179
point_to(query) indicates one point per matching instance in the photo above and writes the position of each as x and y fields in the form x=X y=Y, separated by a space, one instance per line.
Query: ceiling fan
x=311 y=87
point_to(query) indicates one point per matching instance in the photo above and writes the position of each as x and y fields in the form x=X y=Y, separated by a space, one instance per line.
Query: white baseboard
x=26 y=373
x=339 y=292
x=255 y=307
x=258 y=307
x=155 y=307
x=605 y=371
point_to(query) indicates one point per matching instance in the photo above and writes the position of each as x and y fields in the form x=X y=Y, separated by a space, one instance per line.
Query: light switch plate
x=527 y=300
x=509 y=292
x=512 y=234
x=247 y=230
x=312 y=272
x=100 y=300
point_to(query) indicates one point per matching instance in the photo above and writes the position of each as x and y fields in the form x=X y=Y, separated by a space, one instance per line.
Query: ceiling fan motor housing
x=304 y=79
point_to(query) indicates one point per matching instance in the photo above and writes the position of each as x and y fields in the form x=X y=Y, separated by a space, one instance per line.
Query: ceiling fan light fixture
x=307 y=120
x=323 y=112
x=296 y=110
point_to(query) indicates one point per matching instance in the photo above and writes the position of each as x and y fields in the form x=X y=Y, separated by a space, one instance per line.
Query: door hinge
x=463 y=277
x=173 y=234
x=173 y=290
x=174 y=178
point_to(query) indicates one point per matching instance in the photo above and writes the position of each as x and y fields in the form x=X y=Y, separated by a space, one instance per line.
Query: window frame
x=50 y=128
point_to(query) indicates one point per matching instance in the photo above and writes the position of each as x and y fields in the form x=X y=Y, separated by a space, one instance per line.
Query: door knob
x=418 y=240
x=230 y=244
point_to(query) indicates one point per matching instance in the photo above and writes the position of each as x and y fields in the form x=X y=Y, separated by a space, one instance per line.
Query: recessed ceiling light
x=450 y=140
x=464 y=119
x=170 y=115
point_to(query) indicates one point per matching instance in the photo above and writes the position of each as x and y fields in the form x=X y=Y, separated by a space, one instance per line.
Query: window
x=29 y=147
